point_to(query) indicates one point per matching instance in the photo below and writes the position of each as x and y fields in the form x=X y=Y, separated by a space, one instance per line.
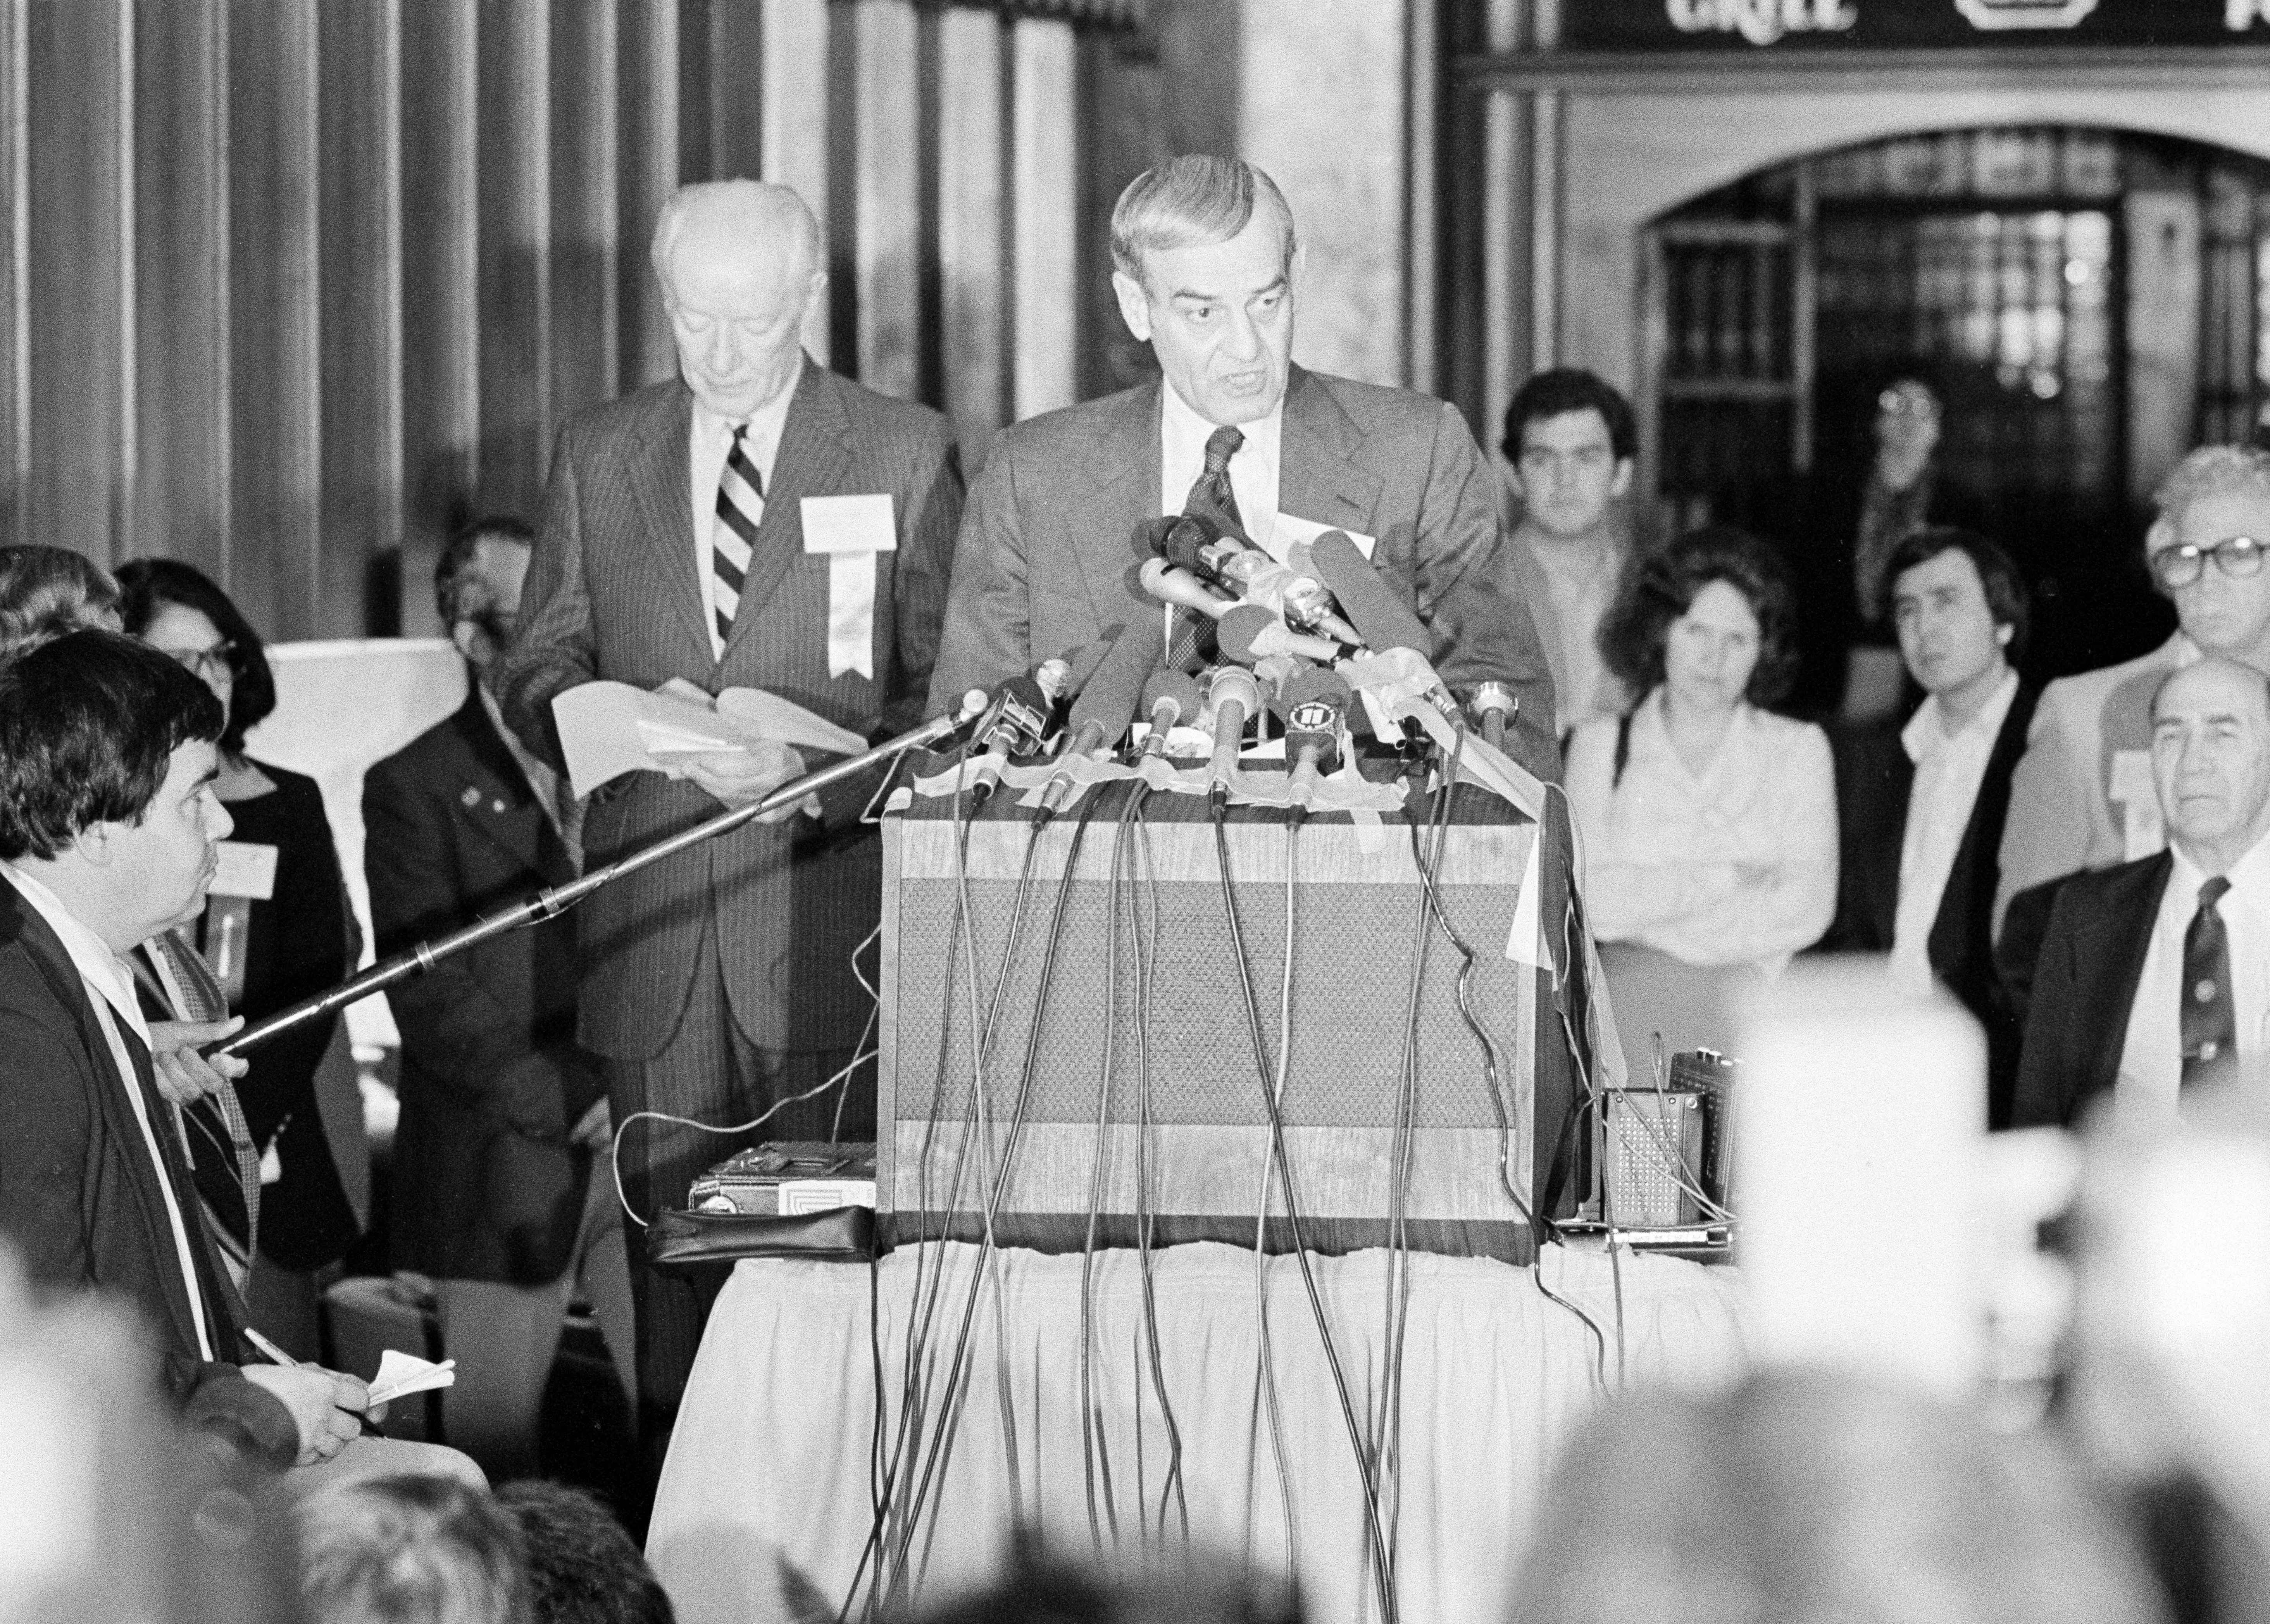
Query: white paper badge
x=1291 y=528
x=850 y=530
x=245 y=869
x=849 y=524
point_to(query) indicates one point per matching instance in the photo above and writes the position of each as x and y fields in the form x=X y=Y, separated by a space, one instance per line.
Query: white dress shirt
x=110 y=989
x=708 y=446
x=1949 y=769
x=2151 y=1075
x=1736 y=865
x=1253 y=467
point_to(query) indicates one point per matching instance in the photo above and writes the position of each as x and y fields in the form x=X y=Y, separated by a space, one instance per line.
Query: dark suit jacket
x=2092 y=957
x=1874 y=777
x=612 y=594
x=80 y=1200
x=485 y=1186
x=1046 y=564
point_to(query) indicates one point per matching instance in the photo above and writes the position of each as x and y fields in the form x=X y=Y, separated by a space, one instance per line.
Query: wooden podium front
x=1094 y=1140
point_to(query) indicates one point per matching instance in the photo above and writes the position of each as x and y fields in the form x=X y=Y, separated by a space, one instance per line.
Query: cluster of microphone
x=1270 y=639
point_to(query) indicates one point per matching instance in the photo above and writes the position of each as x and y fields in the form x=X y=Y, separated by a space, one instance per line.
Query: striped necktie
x=733 y=538
x=224 y=1162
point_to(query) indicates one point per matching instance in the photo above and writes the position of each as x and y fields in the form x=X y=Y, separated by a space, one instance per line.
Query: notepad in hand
x=400 y=1374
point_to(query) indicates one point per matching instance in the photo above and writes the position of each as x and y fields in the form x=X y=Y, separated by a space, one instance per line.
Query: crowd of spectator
x=2082 y=866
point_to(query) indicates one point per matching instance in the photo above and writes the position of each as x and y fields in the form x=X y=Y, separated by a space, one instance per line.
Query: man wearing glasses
x=2082 y=796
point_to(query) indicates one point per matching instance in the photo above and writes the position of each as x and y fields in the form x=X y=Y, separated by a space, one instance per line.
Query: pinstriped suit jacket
x=612 y=594
x=1046 y=564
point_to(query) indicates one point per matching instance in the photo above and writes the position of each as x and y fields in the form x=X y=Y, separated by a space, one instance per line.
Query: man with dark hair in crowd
x=495 y=1195
x=108 y=828
x=1207 y=266
x=1570 y=441
x=1920 y=808
x=2155 y=975
x=582 y=1568
x=757 y=522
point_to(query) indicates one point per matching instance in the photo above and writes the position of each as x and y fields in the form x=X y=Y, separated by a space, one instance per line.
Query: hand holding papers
x=607 y=728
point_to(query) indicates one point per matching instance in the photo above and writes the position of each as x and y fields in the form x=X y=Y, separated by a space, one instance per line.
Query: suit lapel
x=1959 y=905
x=496 y=801
x=1125 y=493
x=660 y=477
x=54 y=963
x=816 y=451
x=2119 y=945
x=1316 y=476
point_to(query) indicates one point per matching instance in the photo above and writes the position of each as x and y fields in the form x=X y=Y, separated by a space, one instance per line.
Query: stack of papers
x=400 y=1374
x=607 y=728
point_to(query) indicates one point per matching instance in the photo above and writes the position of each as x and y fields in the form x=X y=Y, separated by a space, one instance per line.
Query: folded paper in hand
x=607 y=728
x=400 y=1374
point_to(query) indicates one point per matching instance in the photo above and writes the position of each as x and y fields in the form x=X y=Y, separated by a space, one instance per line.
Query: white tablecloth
x=768 y=1471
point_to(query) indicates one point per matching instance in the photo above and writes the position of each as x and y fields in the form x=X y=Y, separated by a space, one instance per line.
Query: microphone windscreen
x=1149 y=533
x=1366 y=599
x=1179 y=688
x=1107 y=703
x=1239 y=626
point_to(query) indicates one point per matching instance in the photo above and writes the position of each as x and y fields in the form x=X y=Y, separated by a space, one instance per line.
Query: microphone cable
x=1146 y=966
x=933 y=1457
x=1265 y=1371
x=1293 y=1218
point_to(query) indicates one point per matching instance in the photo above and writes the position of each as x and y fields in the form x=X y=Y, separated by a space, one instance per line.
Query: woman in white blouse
x=1708 y=823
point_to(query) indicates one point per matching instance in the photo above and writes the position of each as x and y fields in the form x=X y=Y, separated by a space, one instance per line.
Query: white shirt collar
x=1926 y=729
x=1253 y=470
x=766 y=424
x=90 y=954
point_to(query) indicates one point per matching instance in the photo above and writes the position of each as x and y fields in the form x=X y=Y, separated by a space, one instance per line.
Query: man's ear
x=93 y=843
x=467 y=636
x=1622 y=482
x=1134 y=305
x=2003 y=633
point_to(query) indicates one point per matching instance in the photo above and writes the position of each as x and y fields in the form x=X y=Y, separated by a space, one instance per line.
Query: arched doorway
x=2088 y=303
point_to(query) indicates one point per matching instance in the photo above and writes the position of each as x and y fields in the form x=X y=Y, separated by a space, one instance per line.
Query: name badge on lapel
x=850 y=530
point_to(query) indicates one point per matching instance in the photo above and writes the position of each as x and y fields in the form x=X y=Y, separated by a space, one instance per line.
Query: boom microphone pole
x=556 y=899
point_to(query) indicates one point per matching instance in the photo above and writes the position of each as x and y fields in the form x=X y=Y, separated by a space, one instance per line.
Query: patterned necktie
x=224 y=1162
x=740 y=510
x=1211 y=496
x=1191 y=642
x=2209 y=1020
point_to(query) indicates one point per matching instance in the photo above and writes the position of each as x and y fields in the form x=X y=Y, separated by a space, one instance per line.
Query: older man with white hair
x=757 y=521
x=2082 y=796
x=2155 y=975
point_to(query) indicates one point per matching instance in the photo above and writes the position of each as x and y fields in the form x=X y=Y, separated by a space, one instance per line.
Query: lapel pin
x=470 y=798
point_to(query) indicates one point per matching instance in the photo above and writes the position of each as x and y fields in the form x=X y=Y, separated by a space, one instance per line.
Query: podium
x=1122 y=1100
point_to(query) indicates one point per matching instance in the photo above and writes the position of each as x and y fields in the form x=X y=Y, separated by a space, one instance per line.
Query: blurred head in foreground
x=583 y=1569
x=1808 y=1497
x=1039 y=1591
x=410 y=1551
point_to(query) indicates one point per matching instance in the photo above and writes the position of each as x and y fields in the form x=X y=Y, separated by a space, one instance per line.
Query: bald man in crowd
x=1206 y=267
x=2155 y=975
x=757 y=521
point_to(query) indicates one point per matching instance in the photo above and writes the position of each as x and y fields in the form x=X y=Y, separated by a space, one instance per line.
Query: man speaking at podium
x=757 y=522
x=1207 y=266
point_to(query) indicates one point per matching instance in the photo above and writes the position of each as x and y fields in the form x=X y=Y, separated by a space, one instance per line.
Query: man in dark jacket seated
x=107 y=829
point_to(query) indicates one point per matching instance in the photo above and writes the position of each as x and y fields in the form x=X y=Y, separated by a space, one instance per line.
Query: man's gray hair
x=2212 y=470
x=1190 y=202
x=751 y=195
